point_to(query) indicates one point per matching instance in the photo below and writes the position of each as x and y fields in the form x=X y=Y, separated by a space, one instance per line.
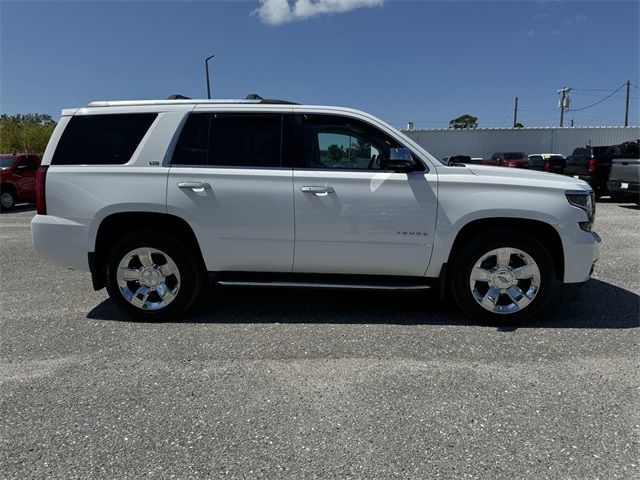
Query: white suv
x=158 y=198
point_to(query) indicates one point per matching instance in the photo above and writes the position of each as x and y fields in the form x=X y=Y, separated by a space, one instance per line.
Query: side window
x=245 y=140
x=230 y=140
x=27 y=164
x=193 y=144
x=339 y=142
x=101 y=139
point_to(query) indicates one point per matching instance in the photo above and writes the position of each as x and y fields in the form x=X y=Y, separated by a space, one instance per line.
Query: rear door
x=227 y=181
x=352 y=214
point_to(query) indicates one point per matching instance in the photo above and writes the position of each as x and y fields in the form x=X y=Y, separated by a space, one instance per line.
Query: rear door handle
x=195 y=186
x=317 y=189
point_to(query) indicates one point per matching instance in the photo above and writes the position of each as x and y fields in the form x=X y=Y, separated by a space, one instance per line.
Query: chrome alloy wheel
x=505 y=280
x=148 y=278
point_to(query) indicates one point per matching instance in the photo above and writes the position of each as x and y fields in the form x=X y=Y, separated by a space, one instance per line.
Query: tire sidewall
x=190 y=275
x=479 y=247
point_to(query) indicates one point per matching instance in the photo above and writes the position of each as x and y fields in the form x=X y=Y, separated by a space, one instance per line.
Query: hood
x=518 y=176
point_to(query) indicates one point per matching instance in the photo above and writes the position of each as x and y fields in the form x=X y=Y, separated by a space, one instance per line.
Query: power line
x=594 y=89
x=601 y=100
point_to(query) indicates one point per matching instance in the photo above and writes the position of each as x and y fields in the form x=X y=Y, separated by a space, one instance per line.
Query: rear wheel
x=152 y=277
x=503 y=277
x=7 y=200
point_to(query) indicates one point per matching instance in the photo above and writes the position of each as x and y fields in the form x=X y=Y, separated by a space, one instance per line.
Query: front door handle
x=195 y=186
x=317 y=189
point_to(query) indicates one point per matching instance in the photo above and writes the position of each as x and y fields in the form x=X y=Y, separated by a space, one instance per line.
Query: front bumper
x=580 y=256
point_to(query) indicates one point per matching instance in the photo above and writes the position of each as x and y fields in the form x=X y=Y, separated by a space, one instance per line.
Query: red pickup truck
x=508 y=159
x=17 y=178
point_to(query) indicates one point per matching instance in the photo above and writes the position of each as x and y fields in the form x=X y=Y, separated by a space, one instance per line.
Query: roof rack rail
x=255 y=96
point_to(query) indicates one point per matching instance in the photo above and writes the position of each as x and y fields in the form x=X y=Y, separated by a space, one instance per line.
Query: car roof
x=177 y=99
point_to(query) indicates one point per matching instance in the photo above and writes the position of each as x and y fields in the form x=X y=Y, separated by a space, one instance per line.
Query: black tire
x=475 y=250
x=191 y=272
x=7 y=199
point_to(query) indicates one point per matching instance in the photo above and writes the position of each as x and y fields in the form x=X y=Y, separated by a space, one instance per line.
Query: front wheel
x=151 y=277
x=7 y=200
x=503 y=277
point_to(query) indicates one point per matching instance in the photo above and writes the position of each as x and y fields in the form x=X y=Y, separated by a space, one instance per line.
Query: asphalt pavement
x=314 y=384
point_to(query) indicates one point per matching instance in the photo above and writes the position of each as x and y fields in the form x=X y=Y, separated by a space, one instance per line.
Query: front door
x=226 y=180
x=352 y=214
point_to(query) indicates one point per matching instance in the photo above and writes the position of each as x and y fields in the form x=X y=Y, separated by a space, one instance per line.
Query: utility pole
x=206 y=69
x=564 y=103
x=515 y=114
x=626 y=108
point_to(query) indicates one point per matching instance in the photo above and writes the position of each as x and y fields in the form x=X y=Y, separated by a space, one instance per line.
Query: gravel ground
x=298 y=384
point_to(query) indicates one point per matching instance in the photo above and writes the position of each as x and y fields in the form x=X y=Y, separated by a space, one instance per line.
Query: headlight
x=586 y=201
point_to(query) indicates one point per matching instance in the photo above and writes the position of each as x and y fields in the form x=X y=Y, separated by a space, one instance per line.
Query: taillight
x=41 y=200
x=547 y=166
x=592 y=165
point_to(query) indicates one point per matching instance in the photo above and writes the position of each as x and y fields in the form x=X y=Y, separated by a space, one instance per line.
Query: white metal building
x=483 y=142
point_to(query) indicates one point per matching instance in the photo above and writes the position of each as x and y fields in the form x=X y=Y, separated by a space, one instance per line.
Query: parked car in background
x=624 y=180
x=591 y=164
x=508 y=159
x=457 y=159
x=548 y=162
x=17 y=178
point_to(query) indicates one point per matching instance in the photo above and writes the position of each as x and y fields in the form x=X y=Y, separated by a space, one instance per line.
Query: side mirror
x=22 y=167
x=401 y=160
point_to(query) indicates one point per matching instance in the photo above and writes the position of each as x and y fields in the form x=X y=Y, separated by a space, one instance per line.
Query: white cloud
x=277 y=12
x=575 y=19
x=526 y=33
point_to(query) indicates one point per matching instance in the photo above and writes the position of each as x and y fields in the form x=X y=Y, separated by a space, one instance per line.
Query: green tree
x=335 y=152
x=25 y=133
x=464 y=121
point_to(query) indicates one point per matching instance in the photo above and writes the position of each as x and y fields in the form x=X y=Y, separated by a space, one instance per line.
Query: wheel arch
x=114 y=226
x=8 y=186
x=543 y=232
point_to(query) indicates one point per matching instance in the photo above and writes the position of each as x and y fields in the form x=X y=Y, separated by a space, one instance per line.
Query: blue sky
x=426 y=61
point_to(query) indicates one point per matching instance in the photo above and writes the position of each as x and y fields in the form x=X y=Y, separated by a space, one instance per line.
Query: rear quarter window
x=101 y=139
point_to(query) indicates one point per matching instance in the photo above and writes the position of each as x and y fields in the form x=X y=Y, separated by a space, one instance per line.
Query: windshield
x=6 y=161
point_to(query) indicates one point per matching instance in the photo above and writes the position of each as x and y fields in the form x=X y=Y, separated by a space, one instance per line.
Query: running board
x=343 y=282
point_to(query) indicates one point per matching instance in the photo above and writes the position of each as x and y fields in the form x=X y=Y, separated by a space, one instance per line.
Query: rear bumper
x=632 y=189
x=61 y=241
x=597 y=183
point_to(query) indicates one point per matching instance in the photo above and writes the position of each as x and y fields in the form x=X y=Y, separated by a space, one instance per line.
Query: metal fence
x=483 y=142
